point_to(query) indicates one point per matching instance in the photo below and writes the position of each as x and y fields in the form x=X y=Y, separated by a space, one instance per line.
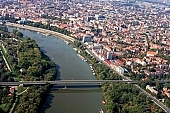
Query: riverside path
x=45 y=31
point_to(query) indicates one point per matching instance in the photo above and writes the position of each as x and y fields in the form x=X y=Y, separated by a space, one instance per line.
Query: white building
x=101 y=57
x=119 y=69
x=151 y=89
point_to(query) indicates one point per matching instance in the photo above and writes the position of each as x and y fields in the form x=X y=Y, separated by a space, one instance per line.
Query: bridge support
x=65 y=87
x=21 y=85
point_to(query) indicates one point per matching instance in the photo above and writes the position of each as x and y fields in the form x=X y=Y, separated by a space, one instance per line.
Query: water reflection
x=75 y=90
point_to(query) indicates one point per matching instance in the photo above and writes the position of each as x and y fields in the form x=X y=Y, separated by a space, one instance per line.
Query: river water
x=73 y=99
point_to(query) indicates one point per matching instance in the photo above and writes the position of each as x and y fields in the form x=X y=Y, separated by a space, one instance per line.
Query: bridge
x=66 y=82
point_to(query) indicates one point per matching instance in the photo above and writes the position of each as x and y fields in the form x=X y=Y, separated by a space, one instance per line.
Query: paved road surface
x=78 y=82
x=155 y=100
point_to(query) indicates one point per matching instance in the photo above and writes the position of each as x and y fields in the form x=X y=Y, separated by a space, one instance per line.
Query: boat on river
x=75 y=49
x=82 y=58
x=47 y=34
x=67 y=42
x=101 y=111
x=103 y=102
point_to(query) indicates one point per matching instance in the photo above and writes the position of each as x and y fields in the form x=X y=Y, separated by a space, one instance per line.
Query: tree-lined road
x=155 y=100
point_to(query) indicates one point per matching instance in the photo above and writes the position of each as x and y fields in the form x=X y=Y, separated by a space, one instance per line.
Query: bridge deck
x=71 y=82
x=63 y=82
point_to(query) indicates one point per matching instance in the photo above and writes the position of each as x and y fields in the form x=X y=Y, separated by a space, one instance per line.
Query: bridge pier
x=21 y=85
x=65 y=87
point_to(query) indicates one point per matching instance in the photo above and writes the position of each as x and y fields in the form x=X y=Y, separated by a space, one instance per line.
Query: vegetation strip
x=29 y=63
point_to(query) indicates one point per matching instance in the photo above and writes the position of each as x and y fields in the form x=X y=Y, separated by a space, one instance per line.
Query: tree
x=19 y=34
x=167 y=102
x=3 y=28
x=158 y=86
x=14 y=31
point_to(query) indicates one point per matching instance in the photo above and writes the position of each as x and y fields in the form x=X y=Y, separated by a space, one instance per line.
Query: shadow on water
x=57 y=66
x=84 y=86
x=75 y=90
x=58 y=72
x=48 y=103
x=43 y=50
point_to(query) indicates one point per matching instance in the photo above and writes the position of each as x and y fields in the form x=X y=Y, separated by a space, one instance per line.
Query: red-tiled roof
x=107 y=61
x=119 y=62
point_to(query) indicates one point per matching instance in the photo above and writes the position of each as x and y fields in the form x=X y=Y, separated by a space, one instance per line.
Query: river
x=69 y=66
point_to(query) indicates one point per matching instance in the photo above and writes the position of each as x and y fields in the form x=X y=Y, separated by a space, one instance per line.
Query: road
x=78 y=82
x=155 y=100
x=6 y=61
x=64 y=82
x=14 y=104
x=45 y=31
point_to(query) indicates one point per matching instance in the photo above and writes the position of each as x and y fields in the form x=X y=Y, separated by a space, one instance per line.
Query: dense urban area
x=130 y=37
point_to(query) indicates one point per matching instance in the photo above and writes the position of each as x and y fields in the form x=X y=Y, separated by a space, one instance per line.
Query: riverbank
x=45 y=31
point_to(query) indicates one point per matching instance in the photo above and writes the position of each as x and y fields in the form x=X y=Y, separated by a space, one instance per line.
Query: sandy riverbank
x=45 y=31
